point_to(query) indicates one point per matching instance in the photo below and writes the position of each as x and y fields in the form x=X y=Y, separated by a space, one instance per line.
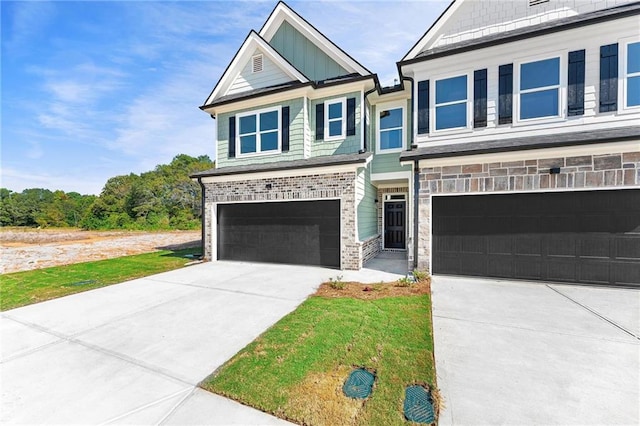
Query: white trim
x=406 y=204
x=286 y=173
x=541 y=190
x=247 y=50
x=283 y=13
x=214 y=232
x=378 y=177
x=433 y=130
x=433 y=31
x=343 y=118
x=214 y=220
x=363 y=117
x=624 y=77
x=306 y=132
x=258 y=151
x=561 y=87
x=402 y=105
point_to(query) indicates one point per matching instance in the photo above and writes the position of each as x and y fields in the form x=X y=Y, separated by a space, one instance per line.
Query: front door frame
x=387 y=198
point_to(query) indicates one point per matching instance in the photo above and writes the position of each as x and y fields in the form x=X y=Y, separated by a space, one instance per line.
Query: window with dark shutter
x=284 y=128
x=232 y=137
x=423 y=107
x=480 y=98
x=575 y=81
x=609 y=78
x=351 y=116
x=319 y=122
x=505 y=94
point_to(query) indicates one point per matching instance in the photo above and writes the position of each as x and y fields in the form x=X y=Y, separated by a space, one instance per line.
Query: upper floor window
x=632 y=74
x=540 y=89
x=334 y=120
x=451 y=102
x=391 y=128
x=259 y=131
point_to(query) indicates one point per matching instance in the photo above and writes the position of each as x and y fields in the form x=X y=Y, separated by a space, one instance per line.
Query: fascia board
x=433 y=30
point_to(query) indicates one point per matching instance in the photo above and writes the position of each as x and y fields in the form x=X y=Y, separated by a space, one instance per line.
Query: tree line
x=164 y=198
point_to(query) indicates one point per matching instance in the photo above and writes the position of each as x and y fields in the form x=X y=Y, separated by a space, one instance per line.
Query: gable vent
x=537 y=2
x=257 y=63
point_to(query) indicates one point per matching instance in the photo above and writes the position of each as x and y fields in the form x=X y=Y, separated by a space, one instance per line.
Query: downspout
x=416 y=181
x=367 y=93
x=202 y=217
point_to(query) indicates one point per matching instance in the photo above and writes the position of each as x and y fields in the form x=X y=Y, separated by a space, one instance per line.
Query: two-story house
x=302 y=175
x=527 y=136
x=510 y=148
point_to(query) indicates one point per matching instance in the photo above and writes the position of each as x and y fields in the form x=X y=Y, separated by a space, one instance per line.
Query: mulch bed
x=374 y=291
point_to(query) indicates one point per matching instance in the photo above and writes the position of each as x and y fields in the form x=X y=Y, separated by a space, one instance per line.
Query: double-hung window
x=335 y=123
x=632 y=75
x=451 y=103
x=540 y=89
x=259 y=131
x=390 y=128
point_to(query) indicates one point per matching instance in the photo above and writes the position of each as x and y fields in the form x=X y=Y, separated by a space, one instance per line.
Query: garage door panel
x=298 y=232
x=586 y=236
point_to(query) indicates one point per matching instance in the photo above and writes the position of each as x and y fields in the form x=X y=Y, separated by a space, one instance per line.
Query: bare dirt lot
x=26 y=249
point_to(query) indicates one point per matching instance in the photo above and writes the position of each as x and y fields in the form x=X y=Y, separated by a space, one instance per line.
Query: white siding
x=247 y=80
x=479 y=18
x=559 y=44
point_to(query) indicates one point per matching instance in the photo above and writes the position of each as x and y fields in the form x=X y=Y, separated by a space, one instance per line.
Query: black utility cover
x=297 y=232
x=590 y=237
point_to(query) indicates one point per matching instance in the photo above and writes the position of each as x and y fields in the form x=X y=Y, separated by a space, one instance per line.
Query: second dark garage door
x=584 y=237
x=296 y=232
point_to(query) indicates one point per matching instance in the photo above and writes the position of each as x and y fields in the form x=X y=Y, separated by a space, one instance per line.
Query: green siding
x=296 y=137
x=349 y=145
x=366 y=209
x=389 y=163
x=304 y=55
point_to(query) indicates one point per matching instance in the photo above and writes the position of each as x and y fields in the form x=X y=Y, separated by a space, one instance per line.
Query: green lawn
x=24 y=288
x=296 y=369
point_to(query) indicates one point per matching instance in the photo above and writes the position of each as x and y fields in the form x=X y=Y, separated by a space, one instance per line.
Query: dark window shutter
x=320 y=121
x=505 y=94
x=284 y=128
x=232 y=137
x=480 y=98
x=351 y=116
x=423 y=107
x=575 y=90
x=609 y=78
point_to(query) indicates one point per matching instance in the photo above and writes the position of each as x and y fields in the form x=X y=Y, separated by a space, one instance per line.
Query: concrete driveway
x=134 y=352
x=528 y=353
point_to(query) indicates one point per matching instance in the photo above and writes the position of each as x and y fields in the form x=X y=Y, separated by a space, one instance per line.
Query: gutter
x=367 y=93
x=416 y=179
x=202 y=217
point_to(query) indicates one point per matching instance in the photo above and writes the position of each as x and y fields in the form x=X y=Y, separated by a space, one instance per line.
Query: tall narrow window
x=451 y=103
x=258 y=132
x=334 y=120
x=390 y=133
x=632 y=93
x=540 y=89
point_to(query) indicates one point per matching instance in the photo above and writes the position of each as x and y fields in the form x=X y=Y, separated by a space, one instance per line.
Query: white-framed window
x=539 y=89
x=631 y=75
x=258 y=132
x=451 y=103
x=390 y=124
x=335 y=120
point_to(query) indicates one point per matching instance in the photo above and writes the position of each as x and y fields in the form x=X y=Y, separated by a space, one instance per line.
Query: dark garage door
x=300 y=232
x=585 y=237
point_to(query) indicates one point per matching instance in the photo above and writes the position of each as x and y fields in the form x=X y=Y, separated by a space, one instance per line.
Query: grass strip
x=24 y=288
x=296 y=369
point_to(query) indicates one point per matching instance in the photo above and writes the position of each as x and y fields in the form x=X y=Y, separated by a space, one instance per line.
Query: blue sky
x=91 y=90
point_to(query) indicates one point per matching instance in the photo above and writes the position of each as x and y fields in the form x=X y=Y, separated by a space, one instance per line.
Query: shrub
x=337 y=283
x=404 y=282
x=420 y=275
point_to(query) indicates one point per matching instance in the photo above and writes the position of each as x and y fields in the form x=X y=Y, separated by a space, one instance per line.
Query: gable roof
x=283 y=12
x=433 y=29
x=252 y=43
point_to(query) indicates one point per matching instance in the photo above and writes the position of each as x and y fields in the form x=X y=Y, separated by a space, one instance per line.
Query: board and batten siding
x=271 y=75
x=559 y=44
x=304 y=55
x=388 y=163
x=366 y=205
x=348 y=145
x=296 y=134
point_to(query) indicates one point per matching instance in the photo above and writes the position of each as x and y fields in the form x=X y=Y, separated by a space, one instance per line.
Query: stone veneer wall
x=371 y=248
x=616 y=170
x=318 y=186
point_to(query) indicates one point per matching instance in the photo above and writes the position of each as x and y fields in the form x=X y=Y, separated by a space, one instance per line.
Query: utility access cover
x=359 y=384
x=418 y=405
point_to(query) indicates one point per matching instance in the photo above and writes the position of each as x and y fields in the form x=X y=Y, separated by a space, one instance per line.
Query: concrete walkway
x=133 y=353
x=527 y=353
